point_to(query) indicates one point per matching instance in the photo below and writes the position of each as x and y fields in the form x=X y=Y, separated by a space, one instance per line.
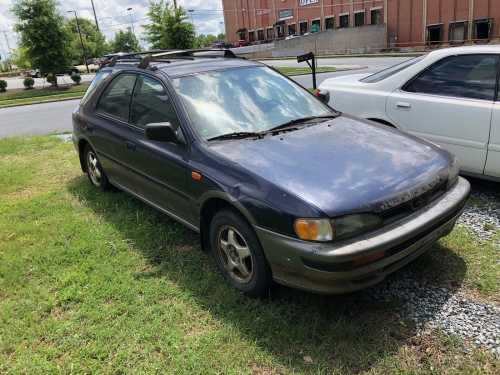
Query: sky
x=113 y=16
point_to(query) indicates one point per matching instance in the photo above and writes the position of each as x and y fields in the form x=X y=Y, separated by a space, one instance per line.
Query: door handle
x=131 y=146
x=403 y=105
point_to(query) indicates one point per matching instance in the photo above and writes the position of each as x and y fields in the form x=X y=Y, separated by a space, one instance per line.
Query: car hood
x=343 y=165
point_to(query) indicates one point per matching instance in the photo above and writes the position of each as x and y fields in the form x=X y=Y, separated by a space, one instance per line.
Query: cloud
x=113 y=16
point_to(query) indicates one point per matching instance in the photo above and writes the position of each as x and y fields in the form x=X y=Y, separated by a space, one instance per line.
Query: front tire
x=238 y=254
x=95 y=172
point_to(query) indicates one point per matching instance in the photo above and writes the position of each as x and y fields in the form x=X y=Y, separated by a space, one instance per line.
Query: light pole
x=95 y=15
x=81 y=39
x=130 y=10
x=191 y=11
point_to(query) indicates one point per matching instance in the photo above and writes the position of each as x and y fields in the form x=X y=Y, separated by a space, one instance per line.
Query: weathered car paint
x=343 y=166
x=333 y=168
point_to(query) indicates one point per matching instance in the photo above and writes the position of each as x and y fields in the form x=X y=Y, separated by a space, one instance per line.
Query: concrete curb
x=340 y=56
x=334 y=71
x=40 y=102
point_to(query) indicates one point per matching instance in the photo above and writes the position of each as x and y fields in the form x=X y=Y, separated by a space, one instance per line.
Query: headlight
x=351 y=225
x=454 y=171
x=327 y=230
x=314 y=229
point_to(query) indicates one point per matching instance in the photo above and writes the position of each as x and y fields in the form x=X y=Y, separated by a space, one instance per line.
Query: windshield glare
x=250 y=99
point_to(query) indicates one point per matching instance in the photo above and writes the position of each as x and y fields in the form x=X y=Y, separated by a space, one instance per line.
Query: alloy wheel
x=94 y=169
x=235 y=254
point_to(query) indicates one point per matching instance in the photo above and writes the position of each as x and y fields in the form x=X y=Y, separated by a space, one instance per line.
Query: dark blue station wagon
x=279 y=185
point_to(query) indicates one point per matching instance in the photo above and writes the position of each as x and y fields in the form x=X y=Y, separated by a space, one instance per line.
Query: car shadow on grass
x=300 y=331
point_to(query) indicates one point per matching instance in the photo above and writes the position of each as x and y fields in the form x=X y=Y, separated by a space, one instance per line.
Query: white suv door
x=450 y=103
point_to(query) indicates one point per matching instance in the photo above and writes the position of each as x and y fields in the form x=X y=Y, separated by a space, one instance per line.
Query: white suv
x=449 y=96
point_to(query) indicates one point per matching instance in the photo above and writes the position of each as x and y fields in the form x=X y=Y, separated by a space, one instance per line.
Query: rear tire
x=238 y=254
x=95 y=172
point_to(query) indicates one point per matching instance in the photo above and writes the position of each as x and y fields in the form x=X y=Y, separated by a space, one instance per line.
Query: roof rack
x=144 y=58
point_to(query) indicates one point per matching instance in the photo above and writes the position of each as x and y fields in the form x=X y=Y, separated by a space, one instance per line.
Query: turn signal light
x=313 y=229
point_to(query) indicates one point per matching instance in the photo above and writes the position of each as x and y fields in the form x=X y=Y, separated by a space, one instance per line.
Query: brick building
x=408 y=22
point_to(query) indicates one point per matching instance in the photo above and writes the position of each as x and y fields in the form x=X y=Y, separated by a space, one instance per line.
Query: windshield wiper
x=236 y=135
x=298 y=121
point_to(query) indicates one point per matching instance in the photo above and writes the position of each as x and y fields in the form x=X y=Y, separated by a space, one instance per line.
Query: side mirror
x=322 y=95
x=161 y=132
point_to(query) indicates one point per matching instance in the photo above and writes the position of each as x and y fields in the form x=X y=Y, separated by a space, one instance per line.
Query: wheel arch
x=82 y=143
x=213 y=203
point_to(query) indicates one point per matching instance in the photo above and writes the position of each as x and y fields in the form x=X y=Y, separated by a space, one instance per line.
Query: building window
x=359 y=19
x=242 y=34
x=291 y=29
x=270 y=33
x=434 y=34
x=251 y=36
x=344 y=21
x=376 y=16
x=260 y=34
x=457 y=32
x=482 y=29
x=329 y=23
x=280 y=31
x=316 y=26
x=303 y=27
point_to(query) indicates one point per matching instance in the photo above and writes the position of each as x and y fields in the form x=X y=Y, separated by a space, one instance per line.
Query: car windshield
x=386 y=73
x=244 y=100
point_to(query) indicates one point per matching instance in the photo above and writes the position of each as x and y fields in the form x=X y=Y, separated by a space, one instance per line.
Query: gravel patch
x=482 y=214
x=437 y=307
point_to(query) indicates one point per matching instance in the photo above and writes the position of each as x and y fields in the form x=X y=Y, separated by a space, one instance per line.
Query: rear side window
x=151 y=104
x=97 y=79
x=389 y=72
x=115 y=101
x=463 y=76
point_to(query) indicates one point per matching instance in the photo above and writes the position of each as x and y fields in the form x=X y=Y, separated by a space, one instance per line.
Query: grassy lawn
x=99 y=282
x=294 y=71
x=38 y=95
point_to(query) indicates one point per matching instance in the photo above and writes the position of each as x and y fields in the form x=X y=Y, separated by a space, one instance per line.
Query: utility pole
x=81 y=39
x=95 y=15
x=8 y=49
x=131 y=19
x=6 y=40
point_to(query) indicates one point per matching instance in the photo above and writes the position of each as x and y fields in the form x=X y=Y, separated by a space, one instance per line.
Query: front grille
x=403 y=210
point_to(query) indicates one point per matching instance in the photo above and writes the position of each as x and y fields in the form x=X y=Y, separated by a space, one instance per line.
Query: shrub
x=3 y=85
x=77 y=78
x=28 y=83
x=52 y=79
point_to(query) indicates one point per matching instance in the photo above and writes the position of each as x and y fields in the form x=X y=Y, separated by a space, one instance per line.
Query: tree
x=125 y=41
x=19 y=57
x=168 y=27
x=94 y=40
x=42 y=35
x=203 y=40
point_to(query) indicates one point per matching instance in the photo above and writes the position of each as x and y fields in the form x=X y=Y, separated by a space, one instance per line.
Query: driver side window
x=151 y=103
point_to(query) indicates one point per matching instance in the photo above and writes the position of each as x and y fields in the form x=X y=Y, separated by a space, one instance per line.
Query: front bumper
x=354 y=264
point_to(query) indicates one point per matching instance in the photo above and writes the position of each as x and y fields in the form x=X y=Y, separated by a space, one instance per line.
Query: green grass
x=39 y=95
x=99 y=282
x=294 y=71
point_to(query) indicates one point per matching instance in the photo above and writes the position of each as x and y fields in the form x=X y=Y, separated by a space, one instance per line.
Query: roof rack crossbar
x=145 y=58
